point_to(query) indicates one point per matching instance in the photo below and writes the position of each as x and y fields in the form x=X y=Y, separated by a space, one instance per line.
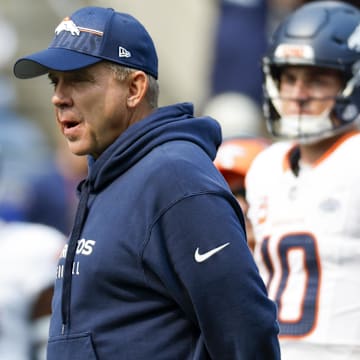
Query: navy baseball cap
x=88 y=36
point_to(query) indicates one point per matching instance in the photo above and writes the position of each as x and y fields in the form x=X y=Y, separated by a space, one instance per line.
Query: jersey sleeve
x=198 y=248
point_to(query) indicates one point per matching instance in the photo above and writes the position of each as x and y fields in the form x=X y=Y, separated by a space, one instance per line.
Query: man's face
x=90 y=107
x=308 y=90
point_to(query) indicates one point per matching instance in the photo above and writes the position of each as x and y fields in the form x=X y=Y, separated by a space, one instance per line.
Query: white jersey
x=307 y=231
x=28 y=258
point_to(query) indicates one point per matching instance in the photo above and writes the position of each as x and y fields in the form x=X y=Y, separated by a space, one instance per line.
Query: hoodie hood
x=170 y=123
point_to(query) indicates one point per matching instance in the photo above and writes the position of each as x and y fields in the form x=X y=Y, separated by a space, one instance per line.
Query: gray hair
x=122 y=72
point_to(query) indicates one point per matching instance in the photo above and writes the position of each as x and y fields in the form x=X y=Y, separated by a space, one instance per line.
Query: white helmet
x=237 y=114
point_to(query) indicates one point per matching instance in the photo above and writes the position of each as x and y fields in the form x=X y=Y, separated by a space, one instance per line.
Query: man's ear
x=138 y=85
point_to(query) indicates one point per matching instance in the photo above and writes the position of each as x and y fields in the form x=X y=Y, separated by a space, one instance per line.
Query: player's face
x=90 y=108
x=308 y=90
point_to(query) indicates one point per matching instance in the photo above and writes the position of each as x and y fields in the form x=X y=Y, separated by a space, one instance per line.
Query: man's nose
x=61 y=96
x=300 y=91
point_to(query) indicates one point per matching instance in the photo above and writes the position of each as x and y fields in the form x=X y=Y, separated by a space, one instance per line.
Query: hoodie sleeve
x=198 y=249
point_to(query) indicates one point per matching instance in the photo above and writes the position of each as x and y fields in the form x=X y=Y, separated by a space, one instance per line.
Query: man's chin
x=77 y=148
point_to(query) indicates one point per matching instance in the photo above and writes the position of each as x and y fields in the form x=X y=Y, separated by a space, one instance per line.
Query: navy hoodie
x=129 y=285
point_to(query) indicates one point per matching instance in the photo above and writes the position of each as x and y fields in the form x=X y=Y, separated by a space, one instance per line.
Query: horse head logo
x=67 y=25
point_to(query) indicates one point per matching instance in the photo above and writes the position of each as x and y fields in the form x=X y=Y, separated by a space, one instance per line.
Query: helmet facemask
x=304 y=127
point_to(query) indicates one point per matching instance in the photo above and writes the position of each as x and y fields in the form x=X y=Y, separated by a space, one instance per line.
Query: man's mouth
x=70 y=128
x=68 y=124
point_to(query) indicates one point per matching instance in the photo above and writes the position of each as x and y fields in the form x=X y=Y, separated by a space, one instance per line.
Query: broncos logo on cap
x=67 y=25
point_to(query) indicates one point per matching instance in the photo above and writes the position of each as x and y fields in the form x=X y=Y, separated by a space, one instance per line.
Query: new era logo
x=123 y=53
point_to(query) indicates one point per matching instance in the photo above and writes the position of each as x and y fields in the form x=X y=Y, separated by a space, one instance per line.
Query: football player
x=303 y=192
x=28 y=258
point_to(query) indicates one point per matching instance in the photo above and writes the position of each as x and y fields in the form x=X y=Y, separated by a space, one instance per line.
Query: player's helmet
x=235 y=155
x=322 y=34
x=237 y=114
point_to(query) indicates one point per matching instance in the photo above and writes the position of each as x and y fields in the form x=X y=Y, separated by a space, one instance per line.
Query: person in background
x=24 y=149
x=158 y=245
x=241 y=28
x=51 y=196
x=303 y=191
x=233 y=160
x=28 y=257
x=237 y=114
x=28 y=252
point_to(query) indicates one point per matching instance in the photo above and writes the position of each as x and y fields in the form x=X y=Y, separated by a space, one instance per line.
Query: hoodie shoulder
x=184 y=166
x=169 y=128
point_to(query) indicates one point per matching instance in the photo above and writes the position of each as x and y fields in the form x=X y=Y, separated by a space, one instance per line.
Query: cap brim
x=52 y=59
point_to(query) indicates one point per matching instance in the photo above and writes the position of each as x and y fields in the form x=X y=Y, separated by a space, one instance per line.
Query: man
x=28 y=256
x=233 y=160
x=303 y=193
x=157 y=265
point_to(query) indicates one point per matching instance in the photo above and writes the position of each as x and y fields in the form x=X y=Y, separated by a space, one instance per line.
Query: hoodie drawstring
x=80 y=217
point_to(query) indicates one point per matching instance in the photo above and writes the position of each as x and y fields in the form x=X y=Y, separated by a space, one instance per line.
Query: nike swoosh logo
x=202 y=257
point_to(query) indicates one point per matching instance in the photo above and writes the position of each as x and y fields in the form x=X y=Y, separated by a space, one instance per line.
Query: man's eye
x=53 y=82
x=286 y=79
x=78 y=79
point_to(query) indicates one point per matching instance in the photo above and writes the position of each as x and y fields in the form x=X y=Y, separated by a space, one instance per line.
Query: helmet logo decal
x=350 y=112
x=228 y=153
x=294 y=51
x=354 y=39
